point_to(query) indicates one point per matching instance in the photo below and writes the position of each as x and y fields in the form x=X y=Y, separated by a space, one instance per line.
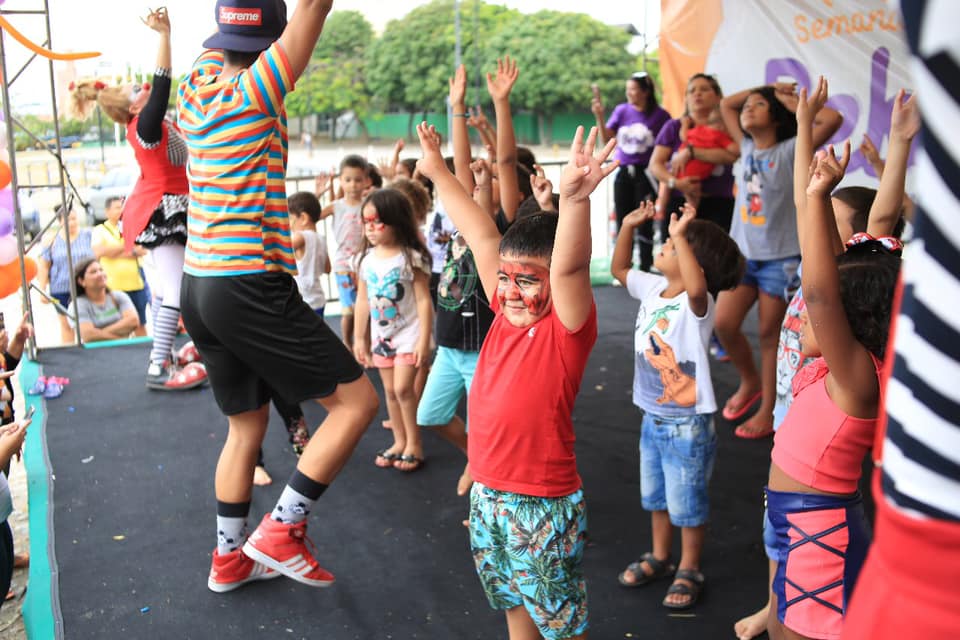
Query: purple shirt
x=719 y=185
x=636 y=133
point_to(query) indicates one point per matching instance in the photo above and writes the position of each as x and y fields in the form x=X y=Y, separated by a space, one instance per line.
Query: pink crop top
x=817 y=443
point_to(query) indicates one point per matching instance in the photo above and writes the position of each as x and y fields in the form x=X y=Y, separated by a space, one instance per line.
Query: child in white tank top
x=310 y=248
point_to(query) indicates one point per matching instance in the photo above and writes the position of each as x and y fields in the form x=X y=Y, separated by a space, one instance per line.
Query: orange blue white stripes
x=236 y=132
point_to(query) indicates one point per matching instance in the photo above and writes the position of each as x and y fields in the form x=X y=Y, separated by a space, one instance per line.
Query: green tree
x=560 y=56
x=335 y=79
x=408 y=66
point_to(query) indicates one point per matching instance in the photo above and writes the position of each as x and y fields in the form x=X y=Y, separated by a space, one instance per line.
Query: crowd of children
x=493 y=293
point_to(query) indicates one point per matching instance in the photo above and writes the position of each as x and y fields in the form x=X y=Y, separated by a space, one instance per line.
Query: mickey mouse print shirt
x=394 y=324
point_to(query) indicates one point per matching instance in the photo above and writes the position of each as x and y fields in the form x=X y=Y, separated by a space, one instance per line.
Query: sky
x=113 y=27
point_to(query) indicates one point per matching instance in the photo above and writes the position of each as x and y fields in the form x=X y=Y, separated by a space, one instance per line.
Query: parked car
x=115 y=182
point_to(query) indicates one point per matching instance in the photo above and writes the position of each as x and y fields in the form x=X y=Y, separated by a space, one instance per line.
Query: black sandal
x=698 y=581
x=660 y=568
x=389 y=457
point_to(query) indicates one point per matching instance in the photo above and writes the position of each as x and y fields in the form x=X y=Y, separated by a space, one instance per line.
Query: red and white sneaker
x=188 y=353
x=283 y=547
x=167 y=378
x=235 y=569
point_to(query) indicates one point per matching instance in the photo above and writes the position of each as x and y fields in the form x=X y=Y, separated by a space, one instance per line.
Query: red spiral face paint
x=523 y=290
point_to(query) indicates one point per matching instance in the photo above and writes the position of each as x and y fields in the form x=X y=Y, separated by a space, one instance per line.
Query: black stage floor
x=133 y=517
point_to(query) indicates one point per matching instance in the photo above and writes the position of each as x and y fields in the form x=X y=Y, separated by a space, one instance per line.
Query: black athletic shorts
x=255 y=333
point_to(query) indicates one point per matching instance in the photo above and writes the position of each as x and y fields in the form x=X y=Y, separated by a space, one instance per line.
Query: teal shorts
x=528 y=552
x=450 y=378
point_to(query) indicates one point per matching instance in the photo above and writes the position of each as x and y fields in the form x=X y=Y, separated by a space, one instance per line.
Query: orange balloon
x=37 y=49
x=10 y=275
x=5 y=174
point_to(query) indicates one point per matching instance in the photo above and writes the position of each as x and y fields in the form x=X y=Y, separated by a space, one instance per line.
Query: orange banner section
x=687 y=30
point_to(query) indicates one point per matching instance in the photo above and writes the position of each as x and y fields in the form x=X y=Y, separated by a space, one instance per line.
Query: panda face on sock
x=224 y=540
x=300 y=509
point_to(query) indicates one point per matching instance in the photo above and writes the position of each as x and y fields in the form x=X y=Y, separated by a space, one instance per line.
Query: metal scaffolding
x=62 y=181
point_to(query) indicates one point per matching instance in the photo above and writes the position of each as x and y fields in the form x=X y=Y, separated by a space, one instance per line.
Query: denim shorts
x=347 y=290
x=776 y=278
x=676 y=461
x=528 y=552
x=449 y=379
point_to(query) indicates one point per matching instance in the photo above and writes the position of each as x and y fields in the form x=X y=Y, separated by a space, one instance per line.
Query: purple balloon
x=6 y=198
x=6 y=221
x=8 y=250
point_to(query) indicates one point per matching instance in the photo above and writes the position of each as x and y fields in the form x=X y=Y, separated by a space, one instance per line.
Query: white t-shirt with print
x=348 y=233
x=394 y=323
x=671 y=346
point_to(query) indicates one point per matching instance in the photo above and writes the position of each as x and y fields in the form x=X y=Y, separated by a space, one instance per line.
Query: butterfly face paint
x=373 y=227
x=523 y=290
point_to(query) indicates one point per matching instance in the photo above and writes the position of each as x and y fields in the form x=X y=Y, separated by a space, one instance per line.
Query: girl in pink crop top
x=818 y=444
x=814 y=509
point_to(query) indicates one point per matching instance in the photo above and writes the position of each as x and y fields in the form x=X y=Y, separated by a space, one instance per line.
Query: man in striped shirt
x=240 y=302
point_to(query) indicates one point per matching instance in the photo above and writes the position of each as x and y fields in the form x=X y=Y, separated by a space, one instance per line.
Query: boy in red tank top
x=527 y=513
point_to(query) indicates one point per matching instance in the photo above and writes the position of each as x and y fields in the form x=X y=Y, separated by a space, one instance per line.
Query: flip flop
x=389 y=457
x=746 y=434
x=409 y=459
x=730 y=416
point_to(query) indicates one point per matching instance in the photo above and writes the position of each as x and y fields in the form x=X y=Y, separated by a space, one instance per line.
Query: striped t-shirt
x=236 y=133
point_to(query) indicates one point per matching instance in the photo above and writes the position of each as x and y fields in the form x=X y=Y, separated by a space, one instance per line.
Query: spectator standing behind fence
x=55 y=269
x=122 y=266
x=635 y=124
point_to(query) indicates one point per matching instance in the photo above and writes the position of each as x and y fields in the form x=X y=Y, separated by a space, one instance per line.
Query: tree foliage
x=335 y=78
x=408 y=66
x=560 y=55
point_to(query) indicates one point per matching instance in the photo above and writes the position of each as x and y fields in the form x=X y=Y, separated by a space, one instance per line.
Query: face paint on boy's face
x=523 y=291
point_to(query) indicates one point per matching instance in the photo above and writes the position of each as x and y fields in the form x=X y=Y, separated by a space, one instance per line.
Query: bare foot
x=753 y=625
x=387 y=424
x=465 y=482
x=260 y=477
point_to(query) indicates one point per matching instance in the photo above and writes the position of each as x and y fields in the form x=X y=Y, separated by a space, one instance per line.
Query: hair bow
x=889 y=243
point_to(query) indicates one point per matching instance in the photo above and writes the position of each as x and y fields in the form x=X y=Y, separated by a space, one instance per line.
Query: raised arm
x=730 y=112
x=483 y=189
x=596 y=106
x=622 y=260
x=904 y=125
x=570 y=262
x=694 y=280
x=301 y=33
x=807 y=110
x=849 y=361
x=461 y=137
x=488 y=135
x=150 y=123
x=499 y=88
x=477 y=227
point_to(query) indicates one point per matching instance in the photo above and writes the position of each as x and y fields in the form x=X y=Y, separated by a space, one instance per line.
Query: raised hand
x=870 y=152
x=158 y=20
x=542 y=188
x=828 y=170
x=809 y=107
x=432 y=162
x=458 y=87
x=482 y=174
x=507 y=73
x=678 y=224
x=596 y=104
x=584 y=171
x=905 y=119
x=476 y=118
x=646 y=211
